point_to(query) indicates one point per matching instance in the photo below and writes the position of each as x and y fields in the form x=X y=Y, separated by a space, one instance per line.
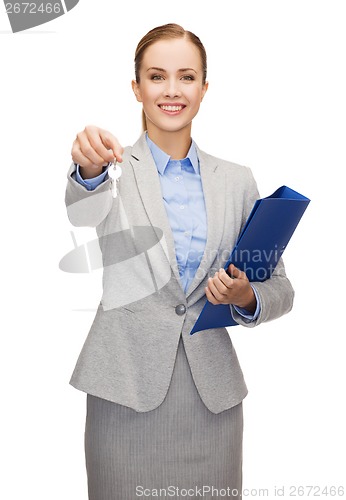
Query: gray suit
x=129 y=354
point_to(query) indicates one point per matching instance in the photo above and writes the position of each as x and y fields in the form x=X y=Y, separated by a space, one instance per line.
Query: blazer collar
x=214 y=189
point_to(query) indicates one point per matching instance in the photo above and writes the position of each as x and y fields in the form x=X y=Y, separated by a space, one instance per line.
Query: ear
x=205 y=88
x=135 y=88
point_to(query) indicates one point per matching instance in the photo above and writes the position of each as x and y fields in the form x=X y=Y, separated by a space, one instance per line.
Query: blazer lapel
x=214 y=189
x=149 y=187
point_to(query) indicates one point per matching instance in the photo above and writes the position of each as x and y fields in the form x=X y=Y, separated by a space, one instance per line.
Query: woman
x=164 y=409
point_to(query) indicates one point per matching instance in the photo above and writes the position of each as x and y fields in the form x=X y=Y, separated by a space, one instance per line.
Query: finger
x=210 y=296
x=214 y=290
x=226 y=279
x=220 y=285
x=88 y=151
x=79 y=158
x=111 y=143
x=104 y=143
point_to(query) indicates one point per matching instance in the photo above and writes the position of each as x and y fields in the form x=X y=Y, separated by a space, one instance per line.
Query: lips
x=172 y=109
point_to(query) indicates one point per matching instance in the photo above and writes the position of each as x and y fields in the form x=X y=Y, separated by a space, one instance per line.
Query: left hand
x=222 y=289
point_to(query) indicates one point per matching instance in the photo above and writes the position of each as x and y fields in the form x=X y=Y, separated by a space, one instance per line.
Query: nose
x=172 y=88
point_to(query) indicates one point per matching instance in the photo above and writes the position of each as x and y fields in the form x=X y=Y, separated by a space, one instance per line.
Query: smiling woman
x=174 y=86
x=164 y=408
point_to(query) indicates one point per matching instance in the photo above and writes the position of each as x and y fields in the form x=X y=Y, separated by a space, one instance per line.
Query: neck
x=175 y=144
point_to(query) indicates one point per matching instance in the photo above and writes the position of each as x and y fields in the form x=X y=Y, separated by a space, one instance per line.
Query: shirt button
x=180 y=309
x=181 y=207
x=177 y=178
x=187 y=233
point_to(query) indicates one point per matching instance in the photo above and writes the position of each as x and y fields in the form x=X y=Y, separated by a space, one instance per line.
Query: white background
x=276 y=102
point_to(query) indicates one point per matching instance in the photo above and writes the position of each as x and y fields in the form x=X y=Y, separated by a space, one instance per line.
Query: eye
x=188 y=77
x=156 y=77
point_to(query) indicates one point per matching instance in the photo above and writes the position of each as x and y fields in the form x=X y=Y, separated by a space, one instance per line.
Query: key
x=114 y=172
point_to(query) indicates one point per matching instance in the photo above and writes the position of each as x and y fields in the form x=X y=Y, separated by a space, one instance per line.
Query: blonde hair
x=166 y=32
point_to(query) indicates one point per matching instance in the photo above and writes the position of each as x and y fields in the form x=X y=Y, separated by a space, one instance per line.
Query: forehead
x=172 y=54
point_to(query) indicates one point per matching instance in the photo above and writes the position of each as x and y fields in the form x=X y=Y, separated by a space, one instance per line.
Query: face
x=171 y=85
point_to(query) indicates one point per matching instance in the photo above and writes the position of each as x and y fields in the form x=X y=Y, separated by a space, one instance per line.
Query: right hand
x=93 y=148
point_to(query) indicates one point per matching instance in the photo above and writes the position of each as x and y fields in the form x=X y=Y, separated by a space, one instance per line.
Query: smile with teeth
x=171 y=108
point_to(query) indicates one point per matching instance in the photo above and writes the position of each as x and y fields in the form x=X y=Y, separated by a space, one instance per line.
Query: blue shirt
x=183 y=198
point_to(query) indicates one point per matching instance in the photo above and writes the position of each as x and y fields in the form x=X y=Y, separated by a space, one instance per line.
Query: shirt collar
x=162 y=159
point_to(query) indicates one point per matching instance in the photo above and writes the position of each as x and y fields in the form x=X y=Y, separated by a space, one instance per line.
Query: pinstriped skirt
x=178 y=450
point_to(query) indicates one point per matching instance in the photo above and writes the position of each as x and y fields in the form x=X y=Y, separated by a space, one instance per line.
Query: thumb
x=230 y=270
x=118 y=153
x=111 y=142
x=236 y=273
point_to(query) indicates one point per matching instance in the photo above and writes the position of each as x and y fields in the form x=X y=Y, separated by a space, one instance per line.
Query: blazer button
x=180 y=309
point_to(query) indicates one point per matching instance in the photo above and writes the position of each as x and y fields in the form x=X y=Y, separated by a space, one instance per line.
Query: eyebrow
x=181 y=70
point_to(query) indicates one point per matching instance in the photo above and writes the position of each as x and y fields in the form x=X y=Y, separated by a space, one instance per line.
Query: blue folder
x=260 y=245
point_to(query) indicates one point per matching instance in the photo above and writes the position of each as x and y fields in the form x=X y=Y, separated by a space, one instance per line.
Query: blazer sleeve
x=276 y=294
x=87 y=208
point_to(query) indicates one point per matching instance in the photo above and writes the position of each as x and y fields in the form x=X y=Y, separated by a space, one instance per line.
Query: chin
x=169 y=126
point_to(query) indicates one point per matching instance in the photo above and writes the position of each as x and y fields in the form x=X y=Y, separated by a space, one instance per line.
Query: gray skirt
x=178 y=450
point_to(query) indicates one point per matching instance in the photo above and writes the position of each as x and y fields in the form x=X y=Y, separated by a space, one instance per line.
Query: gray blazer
x=129 y=353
